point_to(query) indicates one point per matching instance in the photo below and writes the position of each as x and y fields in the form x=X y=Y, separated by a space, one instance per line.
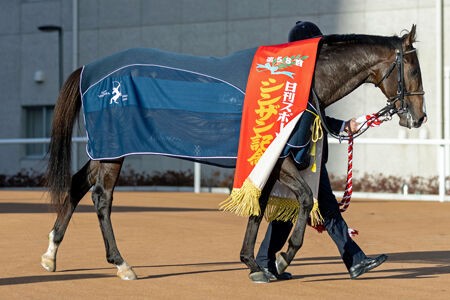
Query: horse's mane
x=361 y=39
x=356 y=52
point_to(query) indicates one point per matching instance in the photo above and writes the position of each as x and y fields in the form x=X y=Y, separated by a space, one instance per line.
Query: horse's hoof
x=127 y=275
x=281 y=263
x=125 y=272
x=258 y=277
x=48 y=263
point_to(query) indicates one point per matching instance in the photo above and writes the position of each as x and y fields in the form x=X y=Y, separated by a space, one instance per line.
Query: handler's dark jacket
x=299 y=143
x=336 y=126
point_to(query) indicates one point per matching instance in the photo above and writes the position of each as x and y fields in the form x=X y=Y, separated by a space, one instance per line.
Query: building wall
x=208 y=27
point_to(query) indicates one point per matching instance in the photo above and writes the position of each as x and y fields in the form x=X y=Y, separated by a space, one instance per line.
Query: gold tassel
x=243 y=201
x=315 y=215
x=317 y=134
x=312 y=153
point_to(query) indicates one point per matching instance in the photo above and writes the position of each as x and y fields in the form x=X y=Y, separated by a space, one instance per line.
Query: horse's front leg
x=80 y=185
x=102 y=196
x=290 y=176
x=248 y=247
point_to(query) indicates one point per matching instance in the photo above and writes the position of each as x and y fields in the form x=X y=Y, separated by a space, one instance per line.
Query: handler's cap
x=304 y=30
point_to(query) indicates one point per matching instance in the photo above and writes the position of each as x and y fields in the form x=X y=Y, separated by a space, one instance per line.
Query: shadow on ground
x=439 y=259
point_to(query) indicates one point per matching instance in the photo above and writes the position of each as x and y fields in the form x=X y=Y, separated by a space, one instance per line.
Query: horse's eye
x=414 y=71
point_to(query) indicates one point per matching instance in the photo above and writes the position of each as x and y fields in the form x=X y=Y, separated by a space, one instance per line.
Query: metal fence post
x=197 y=177
x=442 y=164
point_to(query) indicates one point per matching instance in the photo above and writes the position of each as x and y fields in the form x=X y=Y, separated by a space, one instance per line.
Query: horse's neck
x=339 y=72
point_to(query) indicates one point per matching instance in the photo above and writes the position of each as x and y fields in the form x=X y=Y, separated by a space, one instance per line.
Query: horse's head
x=399 y=78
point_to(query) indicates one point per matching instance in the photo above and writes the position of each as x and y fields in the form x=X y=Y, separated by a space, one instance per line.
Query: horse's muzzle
x=407 y=120
x=421 y=121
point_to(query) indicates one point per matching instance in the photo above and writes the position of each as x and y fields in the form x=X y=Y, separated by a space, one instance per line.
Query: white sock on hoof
x=125 y=272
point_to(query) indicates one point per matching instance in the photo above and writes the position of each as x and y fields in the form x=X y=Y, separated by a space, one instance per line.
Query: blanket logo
x=275 y=64
x=116 y=93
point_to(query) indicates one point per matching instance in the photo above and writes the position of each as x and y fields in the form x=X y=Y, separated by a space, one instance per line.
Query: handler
x=355 y=260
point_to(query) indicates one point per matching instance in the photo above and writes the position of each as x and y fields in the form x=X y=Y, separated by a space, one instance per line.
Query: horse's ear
x=410 y=38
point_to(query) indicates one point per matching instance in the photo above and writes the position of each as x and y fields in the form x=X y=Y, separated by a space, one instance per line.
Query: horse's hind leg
x=290 y=176
x=80 y=185
x=102 y=196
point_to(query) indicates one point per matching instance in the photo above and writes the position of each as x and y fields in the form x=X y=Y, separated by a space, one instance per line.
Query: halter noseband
x=390 y=108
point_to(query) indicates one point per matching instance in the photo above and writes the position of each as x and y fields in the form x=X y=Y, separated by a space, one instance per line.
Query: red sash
x=277 y=92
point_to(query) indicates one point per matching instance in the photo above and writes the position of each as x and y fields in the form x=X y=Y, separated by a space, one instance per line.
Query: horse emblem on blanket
x=116 y=92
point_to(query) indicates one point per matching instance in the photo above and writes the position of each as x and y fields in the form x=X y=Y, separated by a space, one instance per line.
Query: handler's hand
x=351 y=126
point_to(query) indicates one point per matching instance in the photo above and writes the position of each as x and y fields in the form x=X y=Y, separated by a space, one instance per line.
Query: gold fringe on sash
x=284 y=209
x=243 y=201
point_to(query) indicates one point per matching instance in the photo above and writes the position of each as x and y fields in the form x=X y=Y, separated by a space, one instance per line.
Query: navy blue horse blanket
x=148 y=101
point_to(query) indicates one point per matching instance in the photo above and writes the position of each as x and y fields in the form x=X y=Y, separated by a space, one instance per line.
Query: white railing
x=442 y=163
x=75 y=141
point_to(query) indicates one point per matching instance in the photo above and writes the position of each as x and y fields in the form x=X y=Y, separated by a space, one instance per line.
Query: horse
x=344 y=62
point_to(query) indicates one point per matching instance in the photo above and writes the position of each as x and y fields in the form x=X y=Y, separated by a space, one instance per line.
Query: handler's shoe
x=273 y=275
x=366 y=265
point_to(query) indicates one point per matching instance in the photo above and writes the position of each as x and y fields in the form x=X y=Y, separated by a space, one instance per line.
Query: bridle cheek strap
x=401 y=90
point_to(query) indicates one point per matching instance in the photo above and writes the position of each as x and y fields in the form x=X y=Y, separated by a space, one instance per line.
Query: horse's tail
x=67 y=108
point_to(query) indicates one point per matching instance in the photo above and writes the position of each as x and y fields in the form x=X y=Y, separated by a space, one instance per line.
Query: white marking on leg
x=125 y=272
x=48 y=259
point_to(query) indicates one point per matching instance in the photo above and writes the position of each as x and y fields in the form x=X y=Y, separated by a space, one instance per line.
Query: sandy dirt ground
x=182 y=247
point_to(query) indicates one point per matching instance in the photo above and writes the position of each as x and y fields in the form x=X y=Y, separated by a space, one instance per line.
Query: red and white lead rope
x=372 y=120
x=345 y=201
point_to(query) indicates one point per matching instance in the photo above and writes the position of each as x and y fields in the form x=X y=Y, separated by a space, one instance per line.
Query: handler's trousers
x=278 y=231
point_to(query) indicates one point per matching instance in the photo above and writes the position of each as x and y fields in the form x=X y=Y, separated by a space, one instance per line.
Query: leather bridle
x=390 y=108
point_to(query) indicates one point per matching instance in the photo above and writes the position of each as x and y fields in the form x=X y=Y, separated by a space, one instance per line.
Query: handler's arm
x=336 y=125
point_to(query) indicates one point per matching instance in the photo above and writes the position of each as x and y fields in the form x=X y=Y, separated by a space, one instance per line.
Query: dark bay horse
x=344 y=63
